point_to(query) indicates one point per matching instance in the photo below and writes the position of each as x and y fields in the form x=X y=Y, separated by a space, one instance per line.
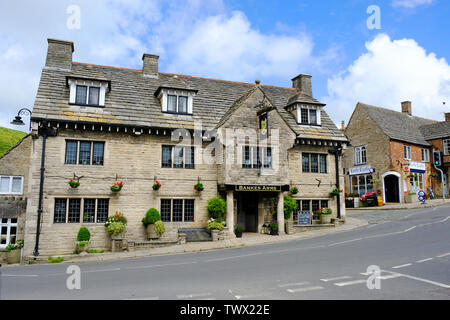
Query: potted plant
x=156 y=186
x=115 y=226
x=411 y=197
x=336 y=192
x=273 y=226
x=73 y=184
x=151 y=217
x=116 y=187
x=290 y=205
x=14 y=252
x=199 y=186
x=325 y=215
x=216 y=208
x=369 y=199
x=214 y=227
x=238 y=230
x=294 y=190
x=83 y=240
x=160 y=227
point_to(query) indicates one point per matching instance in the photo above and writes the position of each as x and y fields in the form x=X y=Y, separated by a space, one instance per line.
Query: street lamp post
x=18 y=119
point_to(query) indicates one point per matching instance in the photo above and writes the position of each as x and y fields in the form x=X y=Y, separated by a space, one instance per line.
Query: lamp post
x=18 y=119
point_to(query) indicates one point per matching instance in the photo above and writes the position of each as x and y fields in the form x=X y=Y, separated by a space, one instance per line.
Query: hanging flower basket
x=294 y=190
x=156 y=186
x=336 y=192
x=199 y=186
x=116 y=187
x=73 y=184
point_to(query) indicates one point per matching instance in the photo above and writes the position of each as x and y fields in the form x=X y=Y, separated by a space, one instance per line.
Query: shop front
x=361 y=179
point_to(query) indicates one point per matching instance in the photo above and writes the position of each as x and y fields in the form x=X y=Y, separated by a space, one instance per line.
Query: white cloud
x=410 y=4
x=387 y=74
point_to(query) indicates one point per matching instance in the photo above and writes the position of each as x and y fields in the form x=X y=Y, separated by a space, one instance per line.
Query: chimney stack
x=447 y=117
x=59 y=54
x=407 y=108
x=150 y=67
x=302 y=82
x=343 y=125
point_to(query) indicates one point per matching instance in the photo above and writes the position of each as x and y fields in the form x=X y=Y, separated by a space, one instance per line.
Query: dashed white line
x=336 y=278
x=151 y=298
x=443 y=255
x=422 y=280
x=293 y=284
x=193 y=295
x=353 y=240
x=304 y=289
x=423 y=260
x=160 y=265
x=248 y=296
x=19 y=275
x=104 y=270
x=402 y=266
x=234 y=257
x=349 y=283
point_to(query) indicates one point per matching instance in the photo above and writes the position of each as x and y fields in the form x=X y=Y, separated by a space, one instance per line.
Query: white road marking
x=349 y=283
x=420 y=261
x=151 y=298
x=304 y=289
x=248 y=296
x=335 y=244
x=402 y=266
x=18 y=275
x=104 y=270
x=392 y=276
x=443 y=255
x=234 y=257
x=160 y=265
x=423 y=280
x=193 y=295
x=293 y=284
x=336 y=278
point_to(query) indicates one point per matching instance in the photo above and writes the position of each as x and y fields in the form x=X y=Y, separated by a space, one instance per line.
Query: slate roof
x=436 y=131
x=131 y=101
x=301 y=97
x=397 y=125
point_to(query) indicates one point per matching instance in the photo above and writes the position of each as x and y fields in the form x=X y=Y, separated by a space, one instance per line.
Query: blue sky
x=407 y=59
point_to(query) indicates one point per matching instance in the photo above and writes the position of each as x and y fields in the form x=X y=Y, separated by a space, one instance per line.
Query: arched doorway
x=391 y=188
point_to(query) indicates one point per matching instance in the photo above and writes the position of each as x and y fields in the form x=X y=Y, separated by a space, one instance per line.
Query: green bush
x=10 y=247
x=216 y=207
x=159 y=227
x=84 y=234
x=56 y=260
x=290 y=205
x=115 y=228
x=214 y=225
x=151 y=217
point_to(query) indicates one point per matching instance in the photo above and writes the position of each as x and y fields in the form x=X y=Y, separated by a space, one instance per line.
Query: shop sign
x=361 y=170
x=257 y=188
x=304 y=218
x=417 y=166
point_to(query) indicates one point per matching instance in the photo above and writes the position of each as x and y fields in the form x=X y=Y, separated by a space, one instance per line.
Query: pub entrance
x=247 y=210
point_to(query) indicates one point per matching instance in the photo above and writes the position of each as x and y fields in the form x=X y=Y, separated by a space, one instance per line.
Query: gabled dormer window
x=176 y=101
x=308 y=115
x=89 y=93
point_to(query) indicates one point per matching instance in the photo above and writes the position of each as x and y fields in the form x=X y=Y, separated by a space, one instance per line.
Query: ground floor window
x=8 y=231
x=177 y=210
x=417 y=182
x=77 y=210
x=361 y=184
x=309 y=206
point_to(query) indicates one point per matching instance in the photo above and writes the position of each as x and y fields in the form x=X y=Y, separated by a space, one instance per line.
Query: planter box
x=13 y=257
x=411 y=198
x=289 y=227
x=215 y=235
x=325 y=218
x=151 y=232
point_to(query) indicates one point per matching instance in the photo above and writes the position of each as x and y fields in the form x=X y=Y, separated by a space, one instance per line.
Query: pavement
x=405 y=206
x=403 y=258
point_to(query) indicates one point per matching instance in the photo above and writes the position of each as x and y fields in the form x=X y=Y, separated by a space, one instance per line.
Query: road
x=413 y=253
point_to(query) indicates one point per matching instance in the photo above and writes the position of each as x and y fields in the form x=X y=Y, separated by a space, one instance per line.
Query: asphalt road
x=412 y=252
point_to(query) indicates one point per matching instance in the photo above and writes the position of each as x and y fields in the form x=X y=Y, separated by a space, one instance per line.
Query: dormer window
x=89 y=93
x=308 y=115
x=176 y=101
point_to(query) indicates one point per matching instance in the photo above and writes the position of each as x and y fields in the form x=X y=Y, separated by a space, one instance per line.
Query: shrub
x=10 y=247
x=214 y=225
x=56 y=260
x=274 y=225
x=159 y=227
x=289 y=206
x=239 y=227
x=151 y=217
x=216 y=207
x=115 y=228
x=84 y=234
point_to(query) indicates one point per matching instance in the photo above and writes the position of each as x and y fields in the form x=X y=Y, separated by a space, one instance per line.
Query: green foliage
x=290 y=205
x=216 y=207
x=84 y=234
x=214 y=225
x=9 y=138
x=56 y=260
x=151 y=217
x=324 y=211
x=115 y=228
x=14 y=246
x=10 y=247
x=96 y=251
x=239 y=227
x=159 y=227
x=274 y=225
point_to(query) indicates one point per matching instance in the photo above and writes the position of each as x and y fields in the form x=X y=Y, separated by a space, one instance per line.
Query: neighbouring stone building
x=248 y=143
x=389 y=152
x=14 y=173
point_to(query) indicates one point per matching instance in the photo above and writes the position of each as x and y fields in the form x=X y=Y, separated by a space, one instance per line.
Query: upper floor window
x=87 y=92
x=178 y=157
x=308 y=115
x=360 y=155
x=11 y=185
x=407 y=152
x=446 y=144
x=177 y=101
x=314 y=163
x=425 y=155
x=256 y=157
x=85 y=152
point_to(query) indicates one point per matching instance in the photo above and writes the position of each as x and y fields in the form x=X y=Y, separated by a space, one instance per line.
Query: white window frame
x=308 y=107
x=8 y=226
x=11 y=178
x=358 y=155
x=73 y=83
x=407 y=152
x=425 y=155
x=417 y=182
x=446 y=146
x=163 y=97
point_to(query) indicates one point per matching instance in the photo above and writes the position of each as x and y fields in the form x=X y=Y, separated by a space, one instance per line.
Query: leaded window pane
x=312 y=116
x=314 y=163
x=98 y=153
x=74 y=211
x=165 y=210
x=102 y=210
x=315 y=205
x=190 y=158
x=256 y=158
x=268 y=158
x=324 y=204
x=71 y=152
x=172 y=103
x=81 y=95
x=306 y=205
x=246 y=157
x=188 y=210
x=94 y=96
x=305 y=162
x=60 y=211
x=4 y=235
x=182 y=104
x=323 y=163
x=167 y=157
x=89 y=211
x=177 y=211
x=304 y=116
x=85 y=153
x=178 y=157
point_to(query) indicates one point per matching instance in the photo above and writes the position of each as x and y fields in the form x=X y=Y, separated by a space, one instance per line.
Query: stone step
x=195 y=234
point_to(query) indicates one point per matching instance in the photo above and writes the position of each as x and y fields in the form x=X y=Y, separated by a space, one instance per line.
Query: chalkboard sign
x=304 y=218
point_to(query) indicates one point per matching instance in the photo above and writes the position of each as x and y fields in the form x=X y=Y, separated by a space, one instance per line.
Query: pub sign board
x=264 y=125
x=257 y=188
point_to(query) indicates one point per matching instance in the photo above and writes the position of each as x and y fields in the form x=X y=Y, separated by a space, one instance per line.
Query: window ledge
x=86 y=105
x=178 y=113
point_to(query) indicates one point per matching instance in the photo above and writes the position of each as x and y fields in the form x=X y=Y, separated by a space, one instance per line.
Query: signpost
x=304 y=218
x=421 y=195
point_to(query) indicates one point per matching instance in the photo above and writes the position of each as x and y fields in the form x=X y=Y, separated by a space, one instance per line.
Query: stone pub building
x=248 y=143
